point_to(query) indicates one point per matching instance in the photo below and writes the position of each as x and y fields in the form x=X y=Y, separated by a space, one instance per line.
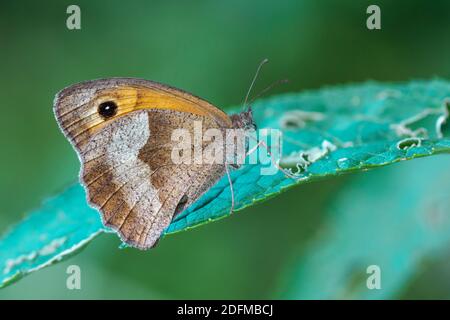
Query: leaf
x=351 y=128
x=394 y=218
x=326 y=132
x=61 y=226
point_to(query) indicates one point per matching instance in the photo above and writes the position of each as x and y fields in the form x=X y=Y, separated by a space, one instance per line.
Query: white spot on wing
x=127 y=137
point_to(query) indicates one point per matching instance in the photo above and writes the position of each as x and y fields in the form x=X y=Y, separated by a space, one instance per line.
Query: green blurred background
x=210 y=48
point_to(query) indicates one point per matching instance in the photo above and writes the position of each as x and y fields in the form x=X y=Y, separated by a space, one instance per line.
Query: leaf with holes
x=325 y=132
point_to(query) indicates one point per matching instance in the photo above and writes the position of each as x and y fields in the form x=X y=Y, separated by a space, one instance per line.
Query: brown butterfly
x=121 y=130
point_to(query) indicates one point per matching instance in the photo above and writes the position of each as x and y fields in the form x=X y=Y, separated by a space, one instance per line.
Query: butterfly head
x=244 y=120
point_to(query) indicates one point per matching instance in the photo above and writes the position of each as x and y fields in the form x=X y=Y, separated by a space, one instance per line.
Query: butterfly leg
x=263 y=144
x=253 y=149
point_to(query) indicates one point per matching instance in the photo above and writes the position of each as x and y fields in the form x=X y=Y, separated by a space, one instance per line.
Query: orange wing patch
x=129 y=98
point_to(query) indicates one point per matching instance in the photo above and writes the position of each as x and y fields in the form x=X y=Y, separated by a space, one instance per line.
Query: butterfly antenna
x=254 y=80
x=274 y=84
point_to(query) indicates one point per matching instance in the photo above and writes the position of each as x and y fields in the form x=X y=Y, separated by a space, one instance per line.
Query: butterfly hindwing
x=131 y=179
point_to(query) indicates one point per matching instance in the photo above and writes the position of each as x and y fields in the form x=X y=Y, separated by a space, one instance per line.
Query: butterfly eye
x=107 y=109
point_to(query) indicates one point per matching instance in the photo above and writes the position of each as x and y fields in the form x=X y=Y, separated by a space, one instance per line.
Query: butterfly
x=121 y=130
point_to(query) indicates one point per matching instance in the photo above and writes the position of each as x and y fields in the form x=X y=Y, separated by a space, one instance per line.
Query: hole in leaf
x=291 y=124
x=409 y=143
x=442 y=124
x=297 y=119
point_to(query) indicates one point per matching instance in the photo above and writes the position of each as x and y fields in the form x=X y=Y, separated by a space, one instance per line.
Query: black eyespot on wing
x=107 y=109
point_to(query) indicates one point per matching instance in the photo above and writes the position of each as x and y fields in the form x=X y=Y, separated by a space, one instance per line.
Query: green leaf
x=60 y=227
x=326 y=132
x=395 y=218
